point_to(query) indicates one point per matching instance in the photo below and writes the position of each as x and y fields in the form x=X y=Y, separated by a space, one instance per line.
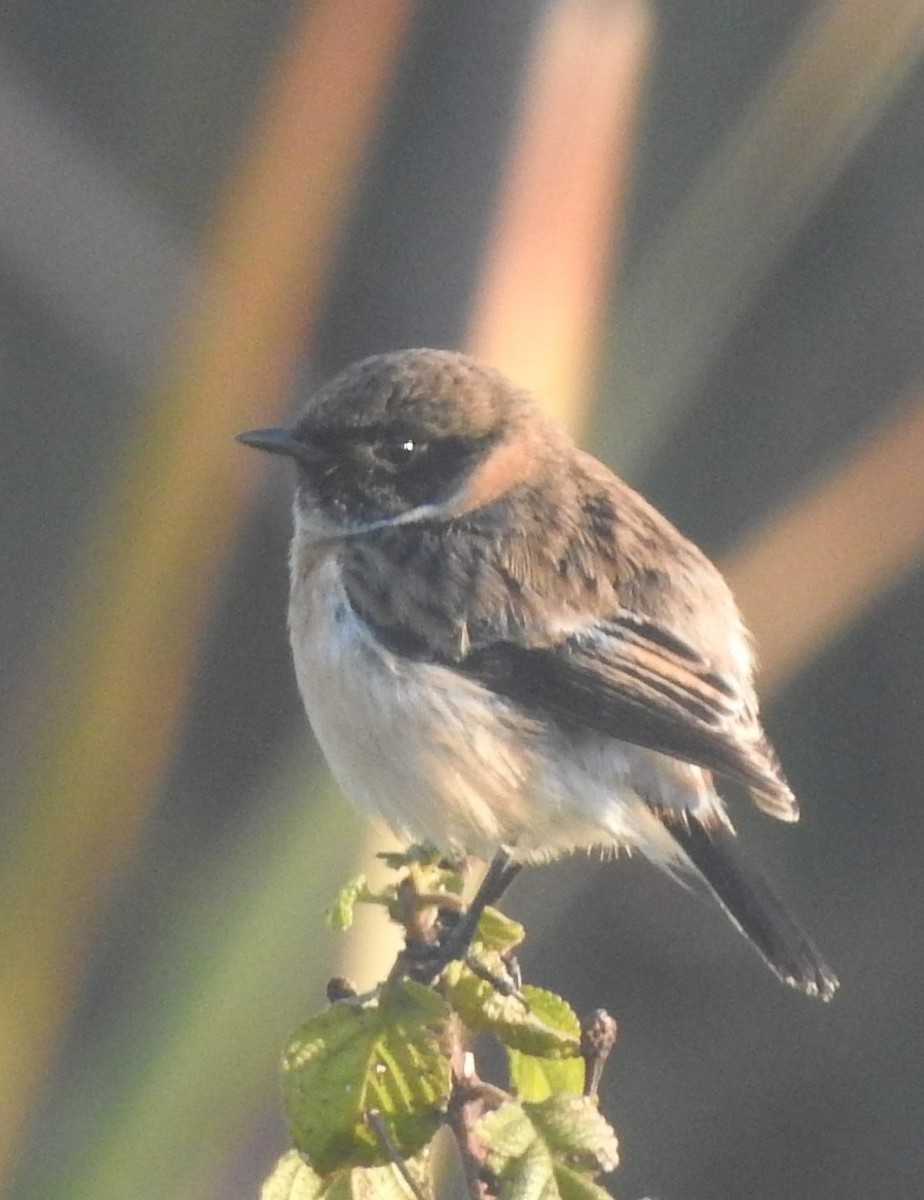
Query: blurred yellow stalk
x=820 y=562
x=541 y=300
x=130 y=627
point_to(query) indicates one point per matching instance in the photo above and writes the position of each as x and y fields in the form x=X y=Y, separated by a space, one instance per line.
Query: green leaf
x=574 y=1186
x=389 y=1057
x=423 y=854
x=498 y=932
x=548 y=1151
x=534 y=1079
x=506 y=1133
x=340 y=913
x=515 y=1153
x=576 y=1131
x=543 y=1026
x=530 y=1177
x=293 y=1179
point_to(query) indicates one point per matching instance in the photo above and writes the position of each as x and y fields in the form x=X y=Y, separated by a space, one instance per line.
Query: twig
x=389 y=1149
x=467 y=1102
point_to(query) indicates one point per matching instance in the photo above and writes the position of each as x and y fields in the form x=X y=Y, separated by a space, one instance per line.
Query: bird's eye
x=401 y=451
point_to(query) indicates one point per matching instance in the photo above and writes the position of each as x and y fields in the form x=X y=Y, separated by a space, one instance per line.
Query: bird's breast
x=434 y=755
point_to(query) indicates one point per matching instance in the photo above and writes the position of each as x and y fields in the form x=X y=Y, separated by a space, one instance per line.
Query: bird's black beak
x=280 y=441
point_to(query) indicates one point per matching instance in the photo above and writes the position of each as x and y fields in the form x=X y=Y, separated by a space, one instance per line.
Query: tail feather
x=755 y=908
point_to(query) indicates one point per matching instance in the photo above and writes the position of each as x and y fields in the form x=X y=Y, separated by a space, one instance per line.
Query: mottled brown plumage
x=499 y=642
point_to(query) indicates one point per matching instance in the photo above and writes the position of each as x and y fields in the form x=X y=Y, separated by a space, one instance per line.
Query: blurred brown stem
x=466 y=1107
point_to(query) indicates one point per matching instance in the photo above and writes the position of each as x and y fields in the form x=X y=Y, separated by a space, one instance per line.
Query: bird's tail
x=754 y=907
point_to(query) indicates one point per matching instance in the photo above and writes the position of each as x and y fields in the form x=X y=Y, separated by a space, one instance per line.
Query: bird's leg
x=508 y=984
x=498 y=877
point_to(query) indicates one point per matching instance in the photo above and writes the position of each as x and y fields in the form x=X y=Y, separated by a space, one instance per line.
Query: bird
x=503 y=649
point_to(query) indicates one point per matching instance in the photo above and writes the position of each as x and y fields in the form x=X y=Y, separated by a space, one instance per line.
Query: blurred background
x=696 y=229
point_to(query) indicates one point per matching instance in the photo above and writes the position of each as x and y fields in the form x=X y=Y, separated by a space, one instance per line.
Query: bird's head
x=408 y=436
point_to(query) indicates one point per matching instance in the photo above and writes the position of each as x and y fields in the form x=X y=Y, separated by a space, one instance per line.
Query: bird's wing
x=629 y=678
x=622 y=673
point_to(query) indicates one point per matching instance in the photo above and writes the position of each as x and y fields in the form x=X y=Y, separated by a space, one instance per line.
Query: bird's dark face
x=396 y=438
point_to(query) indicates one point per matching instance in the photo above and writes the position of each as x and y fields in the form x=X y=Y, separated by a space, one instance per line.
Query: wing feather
x=630 y=680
